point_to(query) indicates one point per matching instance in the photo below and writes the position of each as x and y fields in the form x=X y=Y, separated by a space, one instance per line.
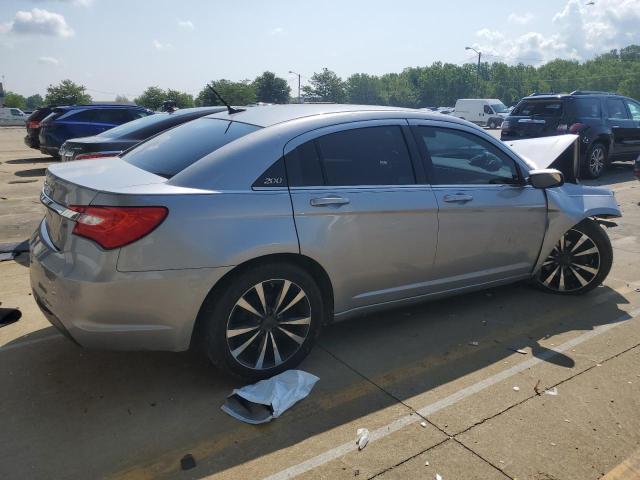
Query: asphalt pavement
x=440 y=386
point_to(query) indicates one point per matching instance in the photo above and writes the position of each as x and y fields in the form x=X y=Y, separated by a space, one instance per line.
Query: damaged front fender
x=570 y=204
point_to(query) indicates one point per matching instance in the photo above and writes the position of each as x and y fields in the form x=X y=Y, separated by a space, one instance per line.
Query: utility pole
x=478 y=71
x=291 y=71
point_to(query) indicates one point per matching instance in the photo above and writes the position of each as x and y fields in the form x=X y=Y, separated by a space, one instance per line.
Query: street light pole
x=478 y=70
x=291 y=71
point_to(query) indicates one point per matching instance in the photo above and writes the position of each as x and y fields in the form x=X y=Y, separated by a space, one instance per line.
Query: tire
x=596 y=160
x=240 y=338
x=492 y=125
x=579 y=262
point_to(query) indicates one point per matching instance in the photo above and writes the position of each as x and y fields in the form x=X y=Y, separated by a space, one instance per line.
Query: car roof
x=193 y=111
x=269 y=115
x=101 y=105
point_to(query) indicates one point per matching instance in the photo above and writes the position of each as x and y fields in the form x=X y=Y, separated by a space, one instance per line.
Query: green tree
x=326 y=86
x=34 y=101
x=234 y=93
x=152 y=98
x=67 y=93
x=182 y=99
x=15 y=100
x=271 y=89
x=363 y=89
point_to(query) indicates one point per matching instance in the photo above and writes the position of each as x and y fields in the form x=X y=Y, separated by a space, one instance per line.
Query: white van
x=12 y=116
x=487 y=112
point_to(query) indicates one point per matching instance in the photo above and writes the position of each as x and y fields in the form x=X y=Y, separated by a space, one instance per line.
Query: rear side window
x=39 y=114
x=366 y=156
x=616 y=109
x=587 y=108
x=82 y=116
x=543 y=108
x=113 y=116
x=303 y=166
x=174 y=150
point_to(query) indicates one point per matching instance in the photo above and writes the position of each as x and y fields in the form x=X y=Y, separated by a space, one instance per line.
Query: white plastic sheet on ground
x=268 y=399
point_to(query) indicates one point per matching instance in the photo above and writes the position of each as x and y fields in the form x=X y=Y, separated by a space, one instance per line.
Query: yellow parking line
x=627 y=470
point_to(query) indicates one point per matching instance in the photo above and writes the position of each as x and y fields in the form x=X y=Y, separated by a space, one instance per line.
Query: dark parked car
x=636 y=168
x=83 y=121
x=118 y=139
x=33 y=126
x=608 y=125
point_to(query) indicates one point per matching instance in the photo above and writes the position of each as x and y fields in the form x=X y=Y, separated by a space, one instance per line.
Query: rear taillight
x=574 y=128
x=33 y=124
x=88 y=156
x=115 y=227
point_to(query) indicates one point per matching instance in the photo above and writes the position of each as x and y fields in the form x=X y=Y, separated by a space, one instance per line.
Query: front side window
x=174 y=150
x=366 y=156
x=461 y=158
x=634 y=108
x=616 y=109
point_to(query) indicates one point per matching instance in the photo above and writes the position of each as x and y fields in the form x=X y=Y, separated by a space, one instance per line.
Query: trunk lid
x=534 y=118
x=78 y=183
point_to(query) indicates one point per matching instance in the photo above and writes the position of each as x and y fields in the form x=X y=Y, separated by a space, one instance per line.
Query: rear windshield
x=171 y=152
x=39 y=114
x=542 y=108
x=130 y=129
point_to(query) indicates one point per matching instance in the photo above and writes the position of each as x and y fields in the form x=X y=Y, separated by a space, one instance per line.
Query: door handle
x=457 y=198
x=329 y=200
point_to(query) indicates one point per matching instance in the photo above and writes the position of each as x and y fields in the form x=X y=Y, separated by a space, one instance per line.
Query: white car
x=486 y=112
x=12 y=116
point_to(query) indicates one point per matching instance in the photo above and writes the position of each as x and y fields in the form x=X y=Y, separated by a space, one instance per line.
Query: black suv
x=608 y=125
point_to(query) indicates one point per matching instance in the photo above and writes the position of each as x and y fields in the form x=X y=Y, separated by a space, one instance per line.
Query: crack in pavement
x=453 y=437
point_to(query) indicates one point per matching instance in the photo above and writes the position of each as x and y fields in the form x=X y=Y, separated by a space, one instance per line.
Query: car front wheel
x=265 y=321
x=579 y=262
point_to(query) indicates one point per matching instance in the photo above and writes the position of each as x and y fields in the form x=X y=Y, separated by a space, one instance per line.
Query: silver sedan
x=244 y=233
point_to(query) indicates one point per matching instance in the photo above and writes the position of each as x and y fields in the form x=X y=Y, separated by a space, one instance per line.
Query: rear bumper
x=85 y=297
x=32 y=141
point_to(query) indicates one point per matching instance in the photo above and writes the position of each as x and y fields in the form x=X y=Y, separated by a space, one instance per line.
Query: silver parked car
x=246 y=232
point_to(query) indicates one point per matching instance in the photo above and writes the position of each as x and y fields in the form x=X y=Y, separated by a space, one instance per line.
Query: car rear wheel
x=579 y=262
x=265 y=321
x=596 y=160
x=492 y=125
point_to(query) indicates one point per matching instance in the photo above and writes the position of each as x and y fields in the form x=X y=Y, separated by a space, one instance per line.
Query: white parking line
x=452 y=399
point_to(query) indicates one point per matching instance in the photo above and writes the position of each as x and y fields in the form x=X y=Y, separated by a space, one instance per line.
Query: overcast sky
x=123 y=46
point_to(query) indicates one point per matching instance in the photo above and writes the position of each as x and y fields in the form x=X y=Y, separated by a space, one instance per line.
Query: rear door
x=491 y=224
x=363 y=211
x=624 y=116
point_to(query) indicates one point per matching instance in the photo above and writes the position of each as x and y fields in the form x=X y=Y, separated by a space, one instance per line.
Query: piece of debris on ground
x=362 y=438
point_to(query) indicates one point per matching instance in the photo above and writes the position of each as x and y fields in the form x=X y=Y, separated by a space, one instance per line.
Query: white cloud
x=38 y=22
x=186 y=24
x=162 y=47
x=276 y=31
x=581 y=32
x=49 y=61
x=521 y=19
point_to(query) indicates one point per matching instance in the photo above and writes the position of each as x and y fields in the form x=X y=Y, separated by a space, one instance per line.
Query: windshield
x=133 y=126
x=174 y=150
x=499 y=107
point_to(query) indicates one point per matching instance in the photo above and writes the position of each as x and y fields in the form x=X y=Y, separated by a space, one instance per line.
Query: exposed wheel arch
x=311 y=266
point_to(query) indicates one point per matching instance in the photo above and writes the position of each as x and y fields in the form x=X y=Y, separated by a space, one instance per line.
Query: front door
x=361 y=212
x=624 y=128
x=491 y=225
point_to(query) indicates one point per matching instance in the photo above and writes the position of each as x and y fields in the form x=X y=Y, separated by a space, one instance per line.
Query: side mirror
x=546 y=178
